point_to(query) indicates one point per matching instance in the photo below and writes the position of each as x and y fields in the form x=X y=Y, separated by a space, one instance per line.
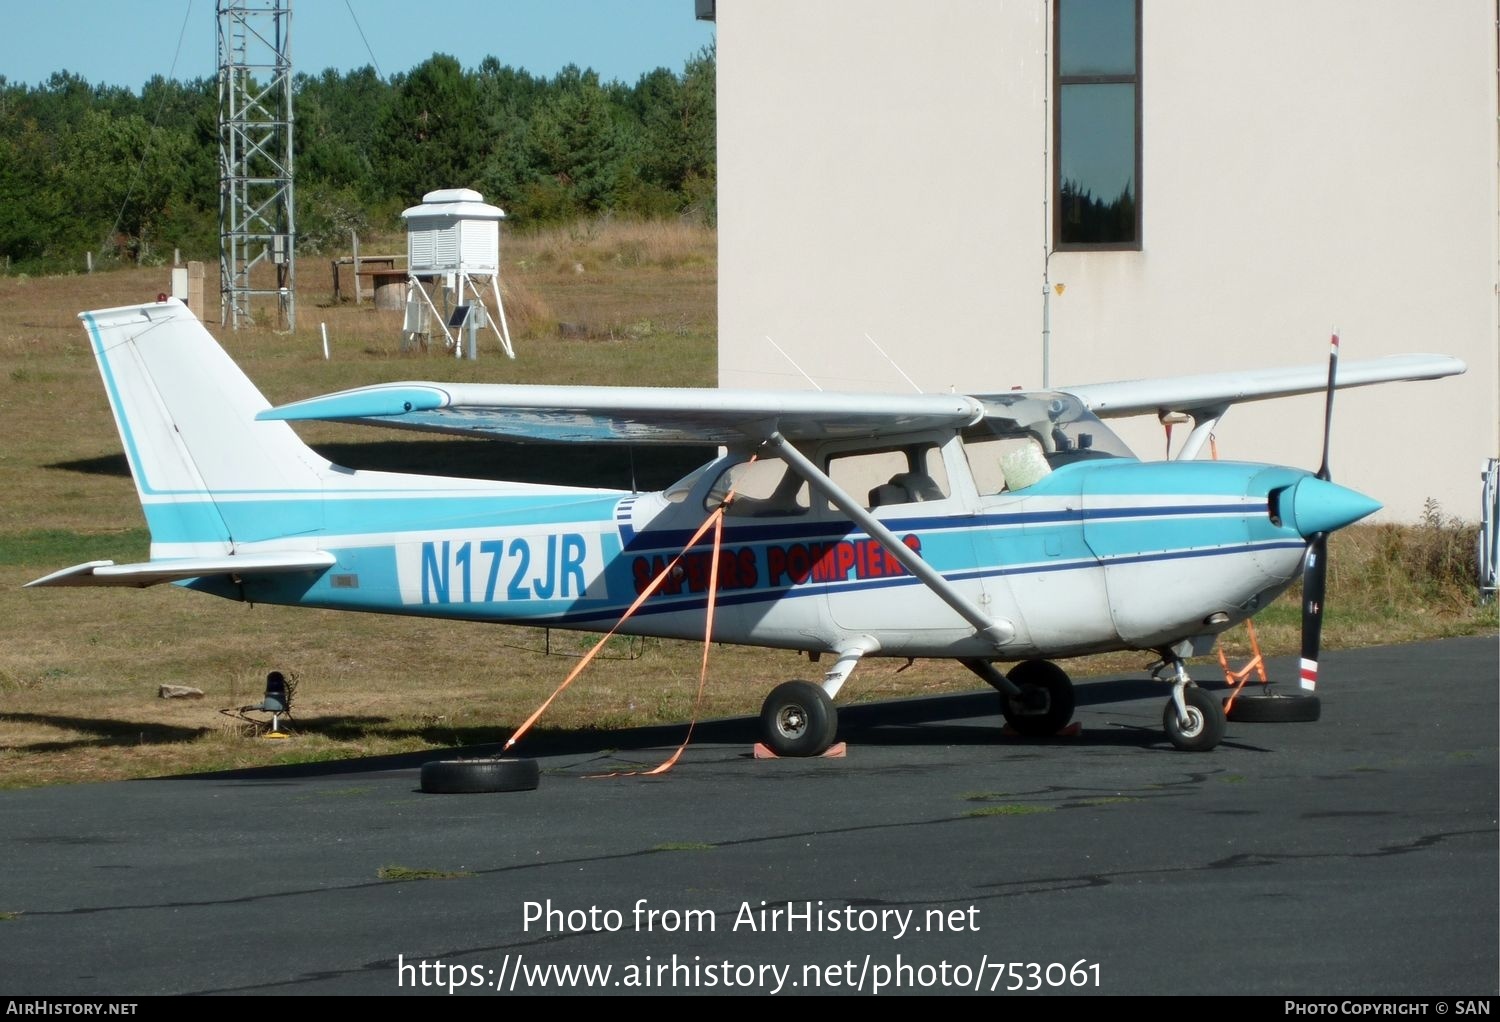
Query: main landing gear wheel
x=798 y=719
x=474 y=776
x=1045 y=705
x=1204 y=726
x=1267 y=704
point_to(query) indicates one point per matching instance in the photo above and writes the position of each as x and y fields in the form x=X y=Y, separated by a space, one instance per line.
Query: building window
x=1097 y=124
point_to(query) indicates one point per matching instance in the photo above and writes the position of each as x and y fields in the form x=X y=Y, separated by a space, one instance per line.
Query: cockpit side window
x=764 y=488
x=910 y=474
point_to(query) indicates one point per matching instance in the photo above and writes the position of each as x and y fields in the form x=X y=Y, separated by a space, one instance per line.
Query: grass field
x=79 y=668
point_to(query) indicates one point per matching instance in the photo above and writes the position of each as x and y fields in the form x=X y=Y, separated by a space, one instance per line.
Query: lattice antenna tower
x=256 y=210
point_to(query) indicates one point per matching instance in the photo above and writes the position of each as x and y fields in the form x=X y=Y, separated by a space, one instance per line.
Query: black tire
x=1205 y=725
x=798 y=719
x=1046 y=703
x=1267 y=704
x=475 y=776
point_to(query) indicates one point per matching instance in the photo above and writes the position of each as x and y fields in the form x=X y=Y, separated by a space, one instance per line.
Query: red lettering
x=746 y=558
x=644 y=572
x=672 y=584
x=798 y=564
x=729 y=576
x=843 y=559
x=822 y=558
x=775 y=564
x=697 y=572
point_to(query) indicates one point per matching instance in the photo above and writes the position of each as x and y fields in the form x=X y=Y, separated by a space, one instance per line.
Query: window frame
x=1059 y=80
x=917 y=450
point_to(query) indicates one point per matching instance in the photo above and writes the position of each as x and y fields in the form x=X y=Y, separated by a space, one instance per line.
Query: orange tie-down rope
x=714 y=521
x=1257 y=663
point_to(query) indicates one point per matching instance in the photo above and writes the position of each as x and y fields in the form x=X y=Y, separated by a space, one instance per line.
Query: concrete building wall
x=884 y=170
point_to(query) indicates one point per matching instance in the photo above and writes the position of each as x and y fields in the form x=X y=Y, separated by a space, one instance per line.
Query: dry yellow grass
x=595 y=245
x=79 y=668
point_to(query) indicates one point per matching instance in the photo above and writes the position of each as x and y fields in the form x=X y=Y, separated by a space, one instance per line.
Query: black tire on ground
x=475 y=776
x=1267 y=704
x=1205 y=724
x=1055 y=708
x=798 y=719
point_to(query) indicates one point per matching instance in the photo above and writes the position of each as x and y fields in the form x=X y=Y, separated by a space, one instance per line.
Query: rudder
x=186 y=415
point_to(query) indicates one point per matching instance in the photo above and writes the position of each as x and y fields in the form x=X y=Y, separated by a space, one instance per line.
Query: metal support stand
x=478 y=318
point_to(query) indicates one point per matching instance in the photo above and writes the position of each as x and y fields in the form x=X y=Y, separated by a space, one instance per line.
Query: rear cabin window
x=892 y=476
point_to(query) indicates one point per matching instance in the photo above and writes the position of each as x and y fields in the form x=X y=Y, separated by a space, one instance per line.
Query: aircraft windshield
x=1024 y=436
x=679 y=490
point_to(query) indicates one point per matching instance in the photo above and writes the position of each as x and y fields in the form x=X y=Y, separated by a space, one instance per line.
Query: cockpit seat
x=919 y=485
x=905 y=488
x=887 y=494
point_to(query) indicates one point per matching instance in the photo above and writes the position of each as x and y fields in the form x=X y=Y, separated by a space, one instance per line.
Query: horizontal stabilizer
x=150 y=573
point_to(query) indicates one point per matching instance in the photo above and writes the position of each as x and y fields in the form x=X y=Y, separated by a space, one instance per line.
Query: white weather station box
x=453 y=231
x=452 y=238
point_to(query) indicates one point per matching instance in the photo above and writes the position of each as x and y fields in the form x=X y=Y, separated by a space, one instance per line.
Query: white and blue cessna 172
x=1004 y=527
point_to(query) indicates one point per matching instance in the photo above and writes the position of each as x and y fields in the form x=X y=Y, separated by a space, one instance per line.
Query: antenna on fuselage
x=793 y=361
x=894 y=366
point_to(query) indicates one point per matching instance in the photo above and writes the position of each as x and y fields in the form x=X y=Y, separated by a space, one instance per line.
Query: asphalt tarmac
x=1353 y=856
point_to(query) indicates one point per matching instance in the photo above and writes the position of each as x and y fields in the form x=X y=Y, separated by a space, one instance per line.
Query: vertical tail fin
x=203 y=465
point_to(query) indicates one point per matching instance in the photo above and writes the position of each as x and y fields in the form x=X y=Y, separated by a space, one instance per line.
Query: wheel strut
x=1192 y=719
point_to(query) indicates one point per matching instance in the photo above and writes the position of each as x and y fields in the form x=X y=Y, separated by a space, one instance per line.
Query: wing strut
x=1205 y=421
x=997 y=630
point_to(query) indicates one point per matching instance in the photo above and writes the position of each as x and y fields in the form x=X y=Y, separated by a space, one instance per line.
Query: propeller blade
x=1314 y=583
x=1333 y=367
x=1315 y=567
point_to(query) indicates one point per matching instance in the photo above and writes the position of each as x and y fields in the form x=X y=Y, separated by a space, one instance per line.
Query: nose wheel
x=1193 y=719
x=798 y=719
x=1199 y=725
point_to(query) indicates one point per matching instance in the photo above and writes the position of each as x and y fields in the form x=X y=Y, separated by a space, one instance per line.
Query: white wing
x=1220 y=390
x=737 y=417
x=633 y=414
